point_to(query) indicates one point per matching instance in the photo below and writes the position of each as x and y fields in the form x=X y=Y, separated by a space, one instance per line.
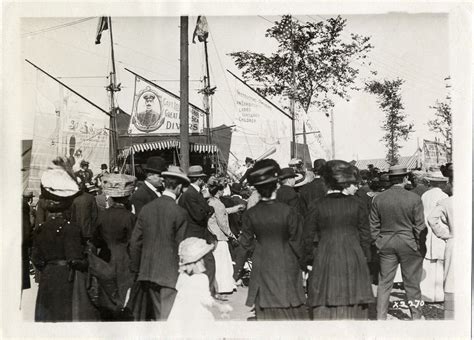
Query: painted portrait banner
x=67 y=126
x=156 y=111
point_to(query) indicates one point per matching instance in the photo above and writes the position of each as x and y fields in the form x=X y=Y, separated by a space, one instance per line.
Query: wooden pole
x=207 y=95
x=113 y=114
x=184 y=94
x=333 y=140
x=292 y=100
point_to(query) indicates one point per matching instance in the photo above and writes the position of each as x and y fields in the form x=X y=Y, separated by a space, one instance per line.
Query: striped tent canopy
x=410 y=162
x=168 y=144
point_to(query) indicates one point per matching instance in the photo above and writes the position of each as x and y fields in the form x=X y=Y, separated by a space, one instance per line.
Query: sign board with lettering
x=156 y=111
x=434 y=154
x=259 y=127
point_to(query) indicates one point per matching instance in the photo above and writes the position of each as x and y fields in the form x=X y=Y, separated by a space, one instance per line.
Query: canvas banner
x=156 y=112
x=259 y=127
x=67 y=126
x=434 y=154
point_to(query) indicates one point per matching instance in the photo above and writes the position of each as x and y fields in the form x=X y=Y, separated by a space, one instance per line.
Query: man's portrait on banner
x=149 y=115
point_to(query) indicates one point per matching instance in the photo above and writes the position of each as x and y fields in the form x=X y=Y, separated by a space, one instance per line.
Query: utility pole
x=333 y=142
x=292 y=100
x=184 y=94
x=207 y=95
x=113 y=137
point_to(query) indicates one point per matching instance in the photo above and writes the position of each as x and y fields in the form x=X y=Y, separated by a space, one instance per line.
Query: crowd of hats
x=58 y=182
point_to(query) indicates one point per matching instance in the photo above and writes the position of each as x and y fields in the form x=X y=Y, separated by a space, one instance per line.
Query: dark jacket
x=160 y=227
x=310 y=192
x=337 y=238
x=198 y=213
x=114 y=230
x=84 y=213
x=278 y=256
x=287 y=195
x=55 y=240
x=142 y=196
x=397 y=211
x=235 y=219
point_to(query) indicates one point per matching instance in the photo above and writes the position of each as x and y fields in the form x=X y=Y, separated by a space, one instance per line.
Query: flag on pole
x=101 y=26
x=201 y=30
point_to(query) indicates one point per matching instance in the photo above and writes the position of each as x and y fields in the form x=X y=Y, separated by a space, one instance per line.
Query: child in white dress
x=193 y=300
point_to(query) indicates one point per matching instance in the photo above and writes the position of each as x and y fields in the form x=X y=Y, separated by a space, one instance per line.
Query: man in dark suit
x=313 y=190
x=286 y=194
x=160 y=227
x=198 y=214
x=151 y=187
x=396 y=221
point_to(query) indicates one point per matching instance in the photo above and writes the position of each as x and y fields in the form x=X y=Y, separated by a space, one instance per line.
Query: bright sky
x=413 y=47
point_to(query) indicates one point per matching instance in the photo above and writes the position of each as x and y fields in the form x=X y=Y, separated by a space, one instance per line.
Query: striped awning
x=168 y=144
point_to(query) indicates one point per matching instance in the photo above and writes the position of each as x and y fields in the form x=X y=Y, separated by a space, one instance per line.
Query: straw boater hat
x=193 y=249
x=175 y=172
x=397 y=170
x=118 y=185
x=155 y=165
x=436 y=176
x=196 y=171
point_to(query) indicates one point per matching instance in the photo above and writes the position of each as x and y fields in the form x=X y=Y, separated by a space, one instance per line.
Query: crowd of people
x=310 y=243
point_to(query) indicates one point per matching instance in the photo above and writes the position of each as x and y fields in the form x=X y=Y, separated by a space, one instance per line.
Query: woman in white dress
x=218 y=225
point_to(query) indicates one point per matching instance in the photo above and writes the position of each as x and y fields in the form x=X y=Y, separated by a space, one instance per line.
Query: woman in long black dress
x=114 y=229
x=57 y=248
x=276 y=284
x=337 y=235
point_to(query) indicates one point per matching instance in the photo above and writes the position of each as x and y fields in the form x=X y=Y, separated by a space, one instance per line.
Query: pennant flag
x=101 y=26
x=202 y=29
x=156 y=111
x=67 y=126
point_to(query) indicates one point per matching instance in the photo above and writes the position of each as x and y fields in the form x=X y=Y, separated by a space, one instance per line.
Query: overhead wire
x=52 y=28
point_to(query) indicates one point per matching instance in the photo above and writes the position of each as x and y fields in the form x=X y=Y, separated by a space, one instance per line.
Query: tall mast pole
x=333 y=142
x=292 y=100
x=207 y=95
x=184 y=94
x=113 y=112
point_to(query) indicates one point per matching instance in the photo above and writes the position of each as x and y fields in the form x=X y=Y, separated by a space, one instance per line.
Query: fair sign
x=156 y=111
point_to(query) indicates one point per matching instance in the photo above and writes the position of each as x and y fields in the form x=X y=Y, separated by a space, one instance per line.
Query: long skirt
x=432 y=281
x=284 y=313
x=54 y=299
x=351 y=312
x=224 y=269
x=82 y=307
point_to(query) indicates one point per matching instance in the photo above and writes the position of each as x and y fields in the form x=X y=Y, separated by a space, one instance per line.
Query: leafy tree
x=390 y=101
x=442 y=123
x=312 y=57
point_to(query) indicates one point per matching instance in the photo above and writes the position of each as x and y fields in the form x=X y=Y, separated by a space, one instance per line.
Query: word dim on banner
x=156 y=111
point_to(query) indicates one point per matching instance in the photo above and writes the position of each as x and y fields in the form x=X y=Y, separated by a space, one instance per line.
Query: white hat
x=193 y=249
x=175 y=171
x=57 y=183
